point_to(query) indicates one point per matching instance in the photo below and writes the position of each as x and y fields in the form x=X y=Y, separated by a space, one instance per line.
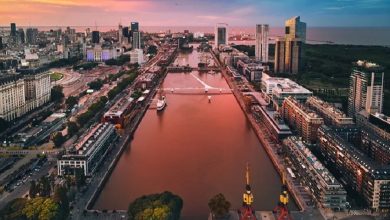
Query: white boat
x=161 y=103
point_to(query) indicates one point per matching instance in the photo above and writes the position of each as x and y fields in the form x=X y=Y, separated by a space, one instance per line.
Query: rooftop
x=302 y=108
x=85 y=146
x=285 y=85
x=368 y=164
x=327 y=108
x=119 y=107
x=275 y=120
x=367 y=65
x=313 y=161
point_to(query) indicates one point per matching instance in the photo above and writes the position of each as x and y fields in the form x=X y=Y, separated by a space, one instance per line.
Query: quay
x=84 y=205
x=269 y=146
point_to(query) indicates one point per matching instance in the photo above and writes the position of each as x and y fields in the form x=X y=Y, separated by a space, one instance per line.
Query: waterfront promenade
x=85 y=200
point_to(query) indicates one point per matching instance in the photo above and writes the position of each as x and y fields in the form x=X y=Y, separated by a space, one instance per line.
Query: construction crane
x=281 y=210
x=246 y=212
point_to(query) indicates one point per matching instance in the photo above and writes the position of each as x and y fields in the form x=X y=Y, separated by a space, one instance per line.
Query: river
x=194 y=149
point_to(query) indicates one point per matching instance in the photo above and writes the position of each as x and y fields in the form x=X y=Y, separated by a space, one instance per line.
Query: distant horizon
x=344 y=13
x=245 y=26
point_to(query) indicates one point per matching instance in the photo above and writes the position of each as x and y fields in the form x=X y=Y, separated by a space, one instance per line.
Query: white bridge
x=206 y=89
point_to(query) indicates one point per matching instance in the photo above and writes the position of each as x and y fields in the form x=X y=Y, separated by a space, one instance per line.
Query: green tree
x=219 y=206
x=71 y=101
x=44 y=187
x=58 y=139
x=13 y=210
x=41 y=209
x=60 y=197
x=73 y=128
x=56 y=94
x=96 y=85
x=164 y=206
x=34 y=189
x=152 y=50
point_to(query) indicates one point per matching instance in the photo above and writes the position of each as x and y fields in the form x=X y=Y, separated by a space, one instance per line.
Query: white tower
x=261 y=35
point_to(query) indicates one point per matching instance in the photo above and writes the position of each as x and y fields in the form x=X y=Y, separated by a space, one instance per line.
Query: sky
x=194 y=12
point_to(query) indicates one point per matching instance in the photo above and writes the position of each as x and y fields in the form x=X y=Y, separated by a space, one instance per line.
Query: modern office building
x=355 y=170
x=280 y=47
x=13 y=30
x=305 y=121
x=32 y=36
x=261 y=47
x=331 y=115
x=89 y=152
x=134 y=26
x=221 y=35
x=95 y=37
x=23 y=93
x=288 y=54
x=22 y=37
x=288 y=50
x=366 y=88
x=293 y=53
x=280 y=88
x=294 y=28
x=327 y=191
x=125 y=32
x=136 y=40
x=120 y=33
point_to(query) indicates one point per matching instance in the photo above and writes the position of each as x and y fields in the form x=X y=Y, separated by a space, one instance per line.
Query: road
x=22 y=190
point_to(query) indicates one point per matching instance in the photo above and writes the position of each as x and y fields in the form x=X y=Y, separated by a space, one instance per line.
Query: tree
x=152 y=50
x=163 y=206
x=80 y=178
x=96 y=85
x=58 y=139
x=219 y=206
x=13 y=210
x=60 y=196
x=41 y=208
x=56 y=94
x=71 y=101
x=34 y=189
x=73 y=128
x=44 y=187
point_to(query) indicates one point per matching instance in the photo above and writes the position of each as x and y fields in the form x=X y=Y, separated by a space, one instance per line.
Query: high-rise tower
x=95 y=37
x=366 y=88
x=288 y=53
x=13 y=30
x=221 y=35
x=294 y=28
x=261 y=36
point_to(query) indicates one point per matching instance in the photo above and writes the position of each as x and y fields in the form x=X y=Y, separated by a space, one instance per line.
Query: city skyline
x=173 y=12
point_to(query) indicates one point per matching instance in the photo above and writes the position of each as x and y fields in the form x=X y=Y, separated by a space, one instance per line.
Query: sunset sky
x=194 y=12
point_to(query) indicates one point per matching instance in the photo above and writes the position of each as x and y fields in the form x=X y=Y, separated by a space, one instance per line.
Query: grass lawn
x=56 y=76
